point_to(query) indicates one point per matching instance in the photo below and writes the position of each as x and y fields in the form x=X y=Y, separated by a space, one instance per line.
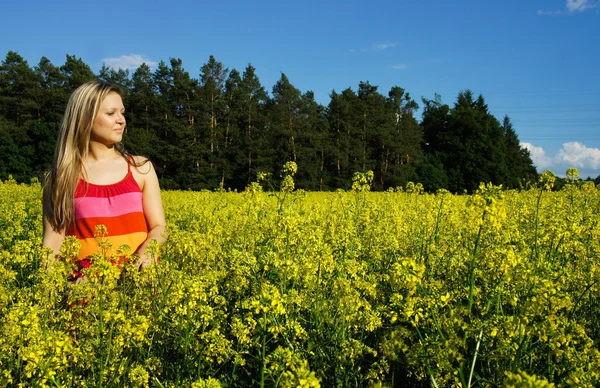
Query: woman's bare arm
x=52 y=239
x=154 y=213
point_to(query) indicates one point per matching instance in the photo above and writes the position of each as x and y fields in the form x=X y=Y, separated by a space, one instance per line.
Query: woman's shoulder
x=141 y=163
x=137 y=159
x=142 y=170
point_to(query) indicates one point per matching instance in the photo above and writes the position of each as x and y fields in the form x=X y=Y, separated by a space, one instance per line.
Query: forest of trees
x=221 y=128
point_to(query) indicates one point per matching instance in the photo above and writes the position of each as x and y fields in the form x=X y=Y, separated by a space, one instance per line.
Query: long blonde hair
x=71 y=150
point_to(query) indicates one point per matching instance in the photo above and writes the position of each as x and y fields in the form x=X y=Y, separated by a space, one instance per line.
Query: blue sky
x=535 y=61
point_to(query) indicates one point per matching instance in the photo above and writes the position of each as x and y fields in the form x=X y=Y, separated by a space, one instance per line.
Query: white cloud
x=377 y=47
x=580 y=5
x=549 y=13
x=401 y=66
x=538 y=156
x=572 y=154
x=128 y=62
x=383 y=46
x=573 y=6
x=577 y=155
x=439 y=60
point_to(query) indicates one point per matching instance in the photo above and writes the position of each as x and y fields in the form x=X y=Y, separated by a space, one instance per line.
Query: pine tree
x=284 y=119
x=76 y=73
x=253 y=142
x=404 y=151
x=181 y=154
x=311 y=143
x=373 y=126
x=144 y=118
x=19 y=111
x=212 y=82
x=233 y=157
x=518 y=160
x=52 y=96
x=19 y=85
x=469 y=142
x=119 y=77
x=344 y=115
x=188 y=152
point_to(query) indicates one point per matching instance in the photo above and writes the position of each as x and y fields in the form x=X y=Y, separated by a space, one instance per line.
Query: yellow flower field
x=294 y=289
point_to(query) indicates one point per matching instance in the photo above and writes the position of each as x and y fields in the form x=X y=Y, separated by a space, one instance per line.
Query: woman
x=93 y=181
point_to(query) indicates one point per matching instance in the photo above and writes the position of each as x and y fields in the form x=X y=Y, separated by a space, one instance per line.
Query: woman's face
x=109 y=124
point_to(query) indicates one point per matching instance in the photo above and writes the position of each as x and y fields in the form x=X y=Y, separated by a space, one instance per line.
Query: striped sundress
x=117 y=206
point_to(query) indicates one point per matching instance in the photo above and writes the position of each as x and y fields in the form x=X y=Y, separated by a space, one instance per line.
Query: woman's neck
x=99 y=152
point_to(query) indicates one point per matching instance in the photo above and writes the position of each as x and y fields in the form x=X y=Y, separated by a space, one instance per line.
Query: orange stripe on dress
x=116 y=226
x=89 y=246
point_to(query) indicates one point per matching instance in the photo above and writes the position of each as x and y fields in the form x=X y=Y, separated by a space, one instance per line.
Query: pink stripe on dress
x=90 y=207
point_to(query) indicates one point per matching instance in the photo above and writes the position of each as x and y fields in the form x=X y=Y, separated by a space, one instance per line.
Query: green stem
x=472 y=263
x=534 y=249
x=263 y=350
x=100 y=336
x=475 y=358
x=437 y=221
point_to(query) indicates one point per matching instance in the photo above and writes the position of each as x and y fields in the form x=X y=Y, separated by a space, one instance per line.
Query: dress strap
x=129 y=162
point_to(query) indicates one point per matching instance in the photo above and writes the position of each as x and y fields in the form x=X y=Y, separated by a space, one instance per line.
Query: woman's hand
x=145 y=261
x=48 y=258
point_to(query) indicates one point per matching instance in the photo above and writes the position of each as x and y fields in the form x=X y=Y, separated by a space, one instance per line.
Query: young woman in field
x=94 y=181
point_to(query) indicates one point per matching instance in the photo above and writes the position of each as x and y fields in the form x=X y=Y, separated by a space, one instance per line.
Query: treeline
x=222 y=128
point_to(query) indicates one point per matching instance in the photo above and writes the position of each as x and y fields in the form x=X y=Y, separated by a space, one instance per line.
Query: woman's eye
x=111 y=113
